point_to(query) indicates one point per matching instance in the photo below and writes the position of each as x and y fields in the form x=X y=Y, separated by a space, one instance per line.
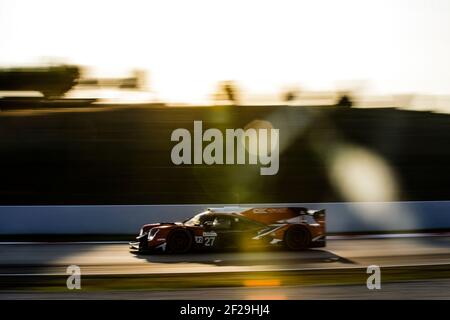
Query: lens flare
x=361 y=175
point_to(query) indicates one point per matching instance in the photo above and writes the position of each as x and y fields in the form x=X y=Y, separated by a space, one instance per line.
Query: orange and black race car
x=237 y=228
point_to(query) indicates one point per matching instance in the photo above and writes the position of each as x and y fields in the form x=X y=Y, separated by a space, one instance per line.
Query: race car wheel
x=296 y=238
x=179 y=241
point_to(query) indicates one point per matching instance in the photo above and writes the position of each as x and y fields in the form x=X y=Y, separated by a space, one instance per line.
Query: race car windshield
x=197 y=220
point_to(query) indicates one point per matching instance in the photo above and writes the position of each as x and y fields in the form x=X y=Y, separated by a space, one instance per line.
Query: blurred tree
x=290 y=95
x=227 y=92
x=345 y=100
x=50 y=81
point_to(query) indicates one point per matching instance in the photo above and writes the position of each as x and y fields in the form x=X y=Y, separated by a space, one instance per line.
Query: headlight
x=152 y=234
x=141 y=232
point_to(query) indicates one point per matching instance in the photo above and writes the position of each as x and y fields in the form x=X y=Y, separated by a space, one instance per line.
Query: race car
x=295 y=228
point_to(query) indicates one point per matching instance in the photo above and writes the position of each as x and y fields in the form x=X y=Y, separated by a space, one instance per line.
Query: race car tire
x=297 y=238
x=179 y=241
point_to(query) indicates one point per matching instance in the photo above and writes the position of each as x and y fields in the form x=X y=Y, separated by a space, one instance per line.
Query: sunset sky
x=393 y=46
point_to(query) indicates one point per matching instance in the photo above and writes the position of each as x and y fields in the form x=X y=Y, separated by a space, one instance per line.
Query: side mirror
x=208 y=225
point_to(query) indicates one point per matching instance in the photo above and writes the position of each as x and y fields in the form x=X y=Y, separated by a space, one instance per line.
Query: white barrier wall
x=341 y=217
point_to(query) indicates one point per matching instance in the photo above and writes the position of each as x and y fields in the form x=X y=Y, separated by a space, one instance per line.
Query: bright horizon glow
x=393 y=46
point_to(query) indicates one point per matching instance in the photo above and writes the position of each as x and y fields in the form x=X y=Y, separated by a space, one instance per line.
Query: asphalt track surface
x=19 y=260
x=115 y=258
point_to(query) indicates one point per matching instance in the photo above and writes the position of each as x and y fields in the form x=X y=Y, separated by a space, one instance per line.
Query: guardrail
x=127 y=219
